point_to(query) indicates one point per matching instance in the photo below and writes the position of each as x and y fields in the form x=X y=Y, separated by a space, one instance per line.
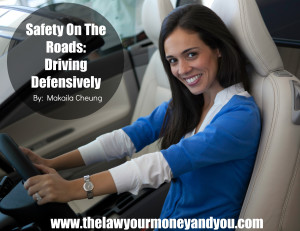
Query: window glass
x=282 y=19
x=125 y=16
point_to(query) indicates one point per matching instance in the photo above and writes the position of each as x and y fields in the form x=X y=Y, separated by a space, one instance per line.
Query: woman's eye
x=172 y=61
x=192 y=54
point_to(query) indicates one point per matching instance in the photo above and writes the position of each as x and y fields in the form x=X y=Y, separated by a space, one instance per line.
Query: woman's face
x=192 y=62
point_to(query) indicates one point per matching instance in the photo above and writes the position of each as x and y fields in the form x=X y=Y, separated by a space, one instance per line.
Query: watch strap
x=90 y=194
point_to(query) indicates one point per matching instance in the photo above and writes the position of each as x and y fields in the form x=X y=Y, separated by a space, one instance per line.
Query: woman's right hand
x=35 y=158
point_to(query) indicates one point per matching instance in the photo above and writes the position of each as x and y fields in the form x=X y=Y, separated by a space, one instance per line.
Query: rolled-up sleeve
x=150 y=170
x=110 y=146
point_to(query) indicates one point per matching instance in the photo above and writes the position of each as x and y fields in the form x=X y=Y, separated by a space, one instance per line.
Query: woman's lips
x=193 y=80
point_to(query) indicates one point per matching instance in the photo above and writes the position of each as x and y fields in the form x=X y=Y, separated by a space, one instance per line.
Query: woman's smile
x=193 y=80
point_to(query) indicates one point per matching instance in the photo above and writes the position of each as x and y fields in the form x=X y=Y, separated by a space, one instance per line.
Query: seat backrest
x=155 y=87
x=274 y=190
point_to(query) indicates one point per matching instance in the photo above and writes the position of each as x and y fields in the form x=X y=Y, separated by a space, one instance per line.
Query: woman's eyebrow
x=184 y=52
x=189 y=49
x=169 y=56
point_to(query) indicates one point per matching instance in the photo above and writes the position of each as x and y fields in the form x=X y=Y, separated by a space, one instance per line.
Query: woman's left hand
x=50 y=187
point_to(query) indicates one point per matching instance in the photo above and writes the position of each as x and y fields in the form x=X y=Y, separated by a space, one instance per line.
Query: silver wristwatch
x=88 y=187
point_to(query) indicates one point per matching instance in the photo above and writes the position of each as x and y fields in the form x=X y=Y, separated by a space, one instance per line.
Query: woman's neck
x=210 y=95
x=209 y=99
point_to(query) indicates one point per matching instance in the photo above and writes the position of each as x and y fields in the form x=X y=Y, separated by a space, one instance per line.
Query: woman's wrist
x=51 y=163
x=76 y=190
x=103 y=184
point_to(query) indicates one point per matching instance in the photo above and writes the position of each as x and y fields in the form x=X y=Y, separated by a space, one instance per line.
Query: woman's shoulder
x=242 y=100
x=241 y=117
x=243 y=107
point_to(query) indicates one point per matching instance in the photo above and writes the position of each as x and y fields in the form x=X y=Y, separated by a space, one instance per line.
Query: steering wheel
x=5 y=166
x=16 y=158
x=17 y=202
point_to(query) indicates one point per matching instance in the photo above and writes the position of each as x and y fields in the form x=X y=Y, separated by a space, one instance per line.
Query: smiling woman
x=209 y=134
x=209 y=130
x=203 y=55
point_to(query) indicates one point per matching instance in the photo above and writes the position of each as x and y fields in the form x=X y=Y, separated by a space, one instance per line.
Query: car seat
x=155 y=87
x=274 y=190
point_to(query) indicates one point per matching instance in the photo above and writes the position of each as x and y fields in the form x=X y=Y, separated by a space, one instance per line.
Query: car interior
x=274 y=189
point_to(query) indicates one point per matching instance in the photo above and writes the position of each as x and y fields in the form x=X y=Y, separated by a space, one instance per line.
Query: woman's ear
x=219 y=53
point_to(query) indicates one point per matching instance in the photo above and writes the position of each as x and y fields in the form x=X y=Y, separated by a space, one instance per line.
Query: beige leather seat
x=155 y=87
x=274 y=190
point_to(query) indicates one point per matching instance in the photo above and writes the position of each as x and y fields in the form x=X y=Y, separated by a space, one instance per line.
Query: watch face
x=88 y=186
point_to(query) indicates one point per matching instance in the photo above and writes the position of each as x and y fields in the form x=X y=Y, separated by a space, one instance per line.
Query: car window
x=9 y=21
x=125 y=16
x=283 y=20
x=282 y=28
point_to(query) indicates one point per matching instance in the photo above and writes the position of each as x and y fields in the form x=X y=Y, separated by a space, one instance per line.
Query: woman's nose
x=183 y=67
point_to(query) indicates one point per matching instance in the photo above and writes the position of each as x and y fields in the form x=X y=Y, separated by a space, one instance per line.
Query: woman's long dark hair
x=185 y=109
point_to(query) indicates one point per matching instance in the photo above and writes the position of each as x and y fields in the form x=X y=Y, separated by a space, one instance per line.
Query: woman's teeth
x=193 y=79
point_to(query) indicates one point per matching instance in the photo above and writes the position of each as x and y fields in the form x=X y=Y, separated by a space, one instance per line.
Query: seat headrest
x=243 y=19
x=153 y=13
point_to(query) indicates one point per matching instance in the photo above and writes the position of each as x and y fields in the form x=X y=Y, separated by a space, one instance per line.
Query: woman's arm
x=149 y=170
x=51 y=187
x=126 y=141
x=68 y=160
x=113 y=145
